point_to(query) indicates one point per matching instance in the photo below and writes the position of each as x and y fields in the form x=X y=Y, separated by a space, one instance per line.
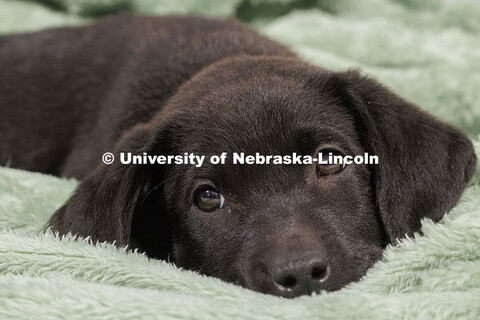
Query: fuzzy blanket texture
x=428 y=51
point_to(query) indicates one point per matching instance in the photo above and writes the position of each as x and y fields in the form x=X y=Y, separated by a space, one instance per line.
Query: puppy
x=175 y=85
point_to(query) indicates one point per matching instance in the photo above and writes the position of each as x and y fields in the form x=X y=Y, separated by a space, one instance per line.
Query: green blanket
x=427 y=51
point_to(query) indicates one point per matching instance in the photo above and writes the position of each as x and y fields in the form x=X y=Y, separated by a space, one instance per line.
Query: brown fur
x=188 y=84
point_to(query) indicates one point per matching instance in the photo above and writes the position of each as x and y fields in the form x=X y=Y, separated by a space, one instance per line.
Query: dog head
x=283 y=229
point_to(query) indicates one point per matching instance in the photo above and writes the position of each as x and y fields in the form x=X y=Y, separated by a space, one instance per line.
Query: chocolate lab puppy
x=175 y=85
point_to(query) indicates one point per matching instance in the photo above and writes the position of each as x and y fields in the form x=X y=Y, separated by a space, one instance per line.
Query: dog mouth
x=302 y=272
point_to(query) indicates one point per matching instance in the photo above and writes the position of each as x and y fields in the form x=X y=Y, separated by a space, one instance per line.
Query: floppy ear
x=424 y=164
x=104 y=204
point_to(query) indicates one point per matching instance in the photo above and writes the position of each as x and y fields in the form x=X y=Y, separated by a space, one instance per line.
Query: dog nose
x=297 y=277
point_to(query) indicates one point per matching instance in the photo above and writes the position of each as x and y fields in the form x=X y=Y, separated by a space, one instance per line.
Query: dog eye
x=208 y=199
x=330 y=162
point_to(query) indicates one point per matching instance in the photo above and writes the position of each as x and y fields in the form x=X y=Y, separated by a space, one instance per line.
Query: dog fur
x=169 y=85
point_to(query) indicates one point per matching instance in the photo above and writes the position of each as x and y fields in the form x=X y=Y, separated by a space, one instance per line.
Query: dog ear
x=104 y=204
x=424 y=164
